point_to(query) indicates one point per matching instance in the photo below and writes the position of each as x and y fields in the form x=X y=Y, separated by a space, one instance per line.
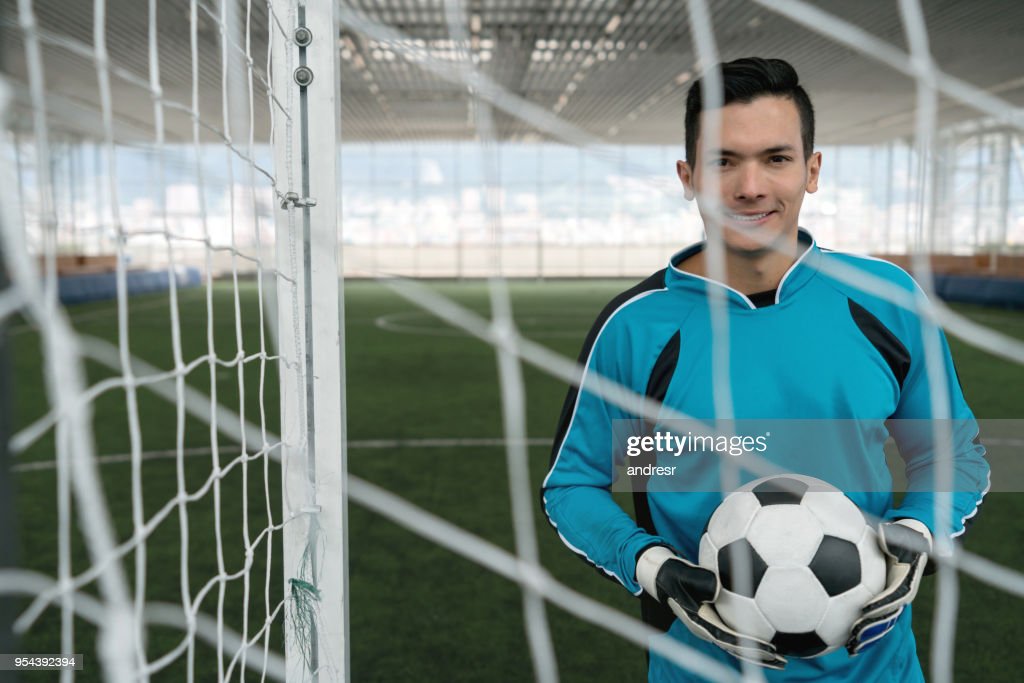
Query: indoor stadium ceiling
x=617 y=69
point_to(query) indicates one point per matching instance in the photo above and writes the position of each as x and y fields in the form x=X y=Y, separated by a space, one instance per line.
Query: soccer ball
x=814 y=560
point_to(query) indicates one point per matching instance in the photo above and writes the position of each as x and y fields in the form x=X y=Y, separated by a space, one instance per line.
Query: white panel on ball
x=842 y=611
x=708 y=554
x=785 y=535
x=731 y=519
x=791 y=599
x=838 y=514
x=872 y=562
x=744 y=615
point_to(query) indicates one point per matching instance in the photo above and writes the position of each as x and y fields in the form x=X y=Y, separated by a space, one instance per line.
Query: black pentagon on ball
x=780 y=491
x=799 y=644
x=837 y=565
x=729 y=576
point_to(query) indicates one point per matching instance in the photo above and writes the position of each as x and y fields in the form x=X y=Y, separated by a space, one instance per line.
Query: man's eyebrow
x=770 y=150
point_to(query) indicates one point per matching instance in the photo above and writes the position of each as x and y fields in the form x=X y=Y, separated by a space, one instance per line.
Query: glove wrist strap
x=649 y=564
x=917 y=526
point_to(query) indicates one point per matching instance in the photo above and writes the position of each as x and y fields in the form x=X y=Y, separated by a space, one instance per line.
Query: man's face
x=761 y=170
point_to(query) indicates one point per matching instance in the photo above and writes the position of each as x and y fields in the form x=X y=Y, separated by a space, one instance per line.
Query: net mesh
x=164 y=176
x=188 y=217
x=918 y=234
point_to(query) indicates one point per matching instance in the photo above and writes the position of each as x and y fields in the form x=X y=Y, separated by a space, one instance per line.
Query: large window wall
x=465 y=209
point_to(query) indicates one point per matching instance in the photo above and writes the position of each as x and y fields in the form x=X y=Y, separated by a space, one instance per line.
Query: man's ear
x=686 y=178
x=813 y=172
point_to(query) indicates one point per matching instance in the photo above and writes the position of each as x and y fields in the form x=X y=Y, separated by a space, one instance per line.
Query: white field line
x=423 y=322
x=366 y=444
x=82 y=316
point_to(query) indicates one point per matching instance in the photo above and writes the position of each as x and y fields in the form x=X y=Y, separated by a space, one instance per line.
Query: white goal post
x=305 y=73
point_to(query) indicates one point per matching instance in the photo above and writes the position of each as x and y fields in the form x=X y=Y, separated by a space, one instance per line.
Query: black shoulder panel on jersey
x=664 y=368
x=657 y=388
x=884 y=340
x=651 y=611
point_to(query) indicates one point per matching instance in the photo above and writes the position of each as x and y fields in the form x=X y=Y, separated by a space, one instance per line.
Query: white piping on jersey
x=582 y=554
x=743 y=296
x=867 y=257
x=801 y=257
x=917 y=289
x=568 y=429
x=981 y=499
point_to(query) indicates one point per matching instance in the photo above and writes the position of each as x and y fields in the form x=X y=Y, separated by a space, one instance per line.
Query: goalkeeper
x=802 y=344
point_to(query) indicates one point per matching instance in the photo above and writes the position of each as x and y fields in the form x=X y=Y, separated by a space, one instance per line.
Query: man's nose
x=750 y=182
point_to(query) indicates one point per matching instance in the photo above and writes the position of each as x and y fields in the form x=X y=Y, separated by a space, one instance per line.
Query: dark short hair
x=744 y=80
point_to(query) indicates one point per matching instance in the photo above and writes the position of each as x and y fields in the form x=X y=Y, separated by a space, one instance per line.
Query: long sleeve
x=915 y=435
x=576 y=493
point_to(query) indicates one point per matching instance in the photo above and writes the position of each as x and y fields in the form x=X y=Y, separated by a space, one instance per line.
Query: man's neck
x=748 y=272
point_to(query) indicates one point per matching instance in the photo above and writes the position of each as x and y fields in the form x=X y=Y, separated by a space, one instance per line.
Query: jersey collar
x=800 y=272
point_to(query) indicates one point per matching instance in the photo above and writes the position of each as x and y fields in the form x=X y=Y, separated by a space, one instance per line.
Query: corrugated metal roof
x=618 y=69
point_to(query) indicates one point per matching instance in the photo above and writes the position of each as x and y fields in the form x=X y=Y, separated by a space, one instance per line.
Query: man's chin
x=746 y=245
x=752 y=254
x=754 y=245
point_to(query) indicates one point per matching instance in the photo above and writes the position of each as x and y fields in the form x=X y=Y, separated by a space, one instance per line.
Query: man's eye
x=720 y=163
x=779 y=159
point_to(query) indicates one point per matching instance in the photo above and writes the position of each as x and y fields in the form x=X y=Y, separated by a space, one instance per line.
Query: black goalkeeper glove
x=690 y=592
x=904 y=544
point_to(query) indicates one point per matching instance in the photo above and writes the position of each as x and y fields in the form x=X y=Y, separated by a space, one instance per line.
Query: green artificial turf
x=418 y=611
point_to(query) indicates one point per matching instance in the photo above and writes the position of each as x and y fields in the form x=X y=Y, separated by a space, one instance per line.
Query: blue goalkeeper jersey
x=826 y=346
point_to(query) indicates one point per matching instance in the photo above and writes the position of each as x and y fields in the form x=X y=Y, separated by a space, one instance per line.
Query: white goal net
x=158 y=239
x=174 y=444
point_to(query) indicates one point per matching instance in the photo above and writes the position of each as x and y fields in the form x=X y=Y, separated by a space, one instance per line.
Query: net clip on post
x=293 y=199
